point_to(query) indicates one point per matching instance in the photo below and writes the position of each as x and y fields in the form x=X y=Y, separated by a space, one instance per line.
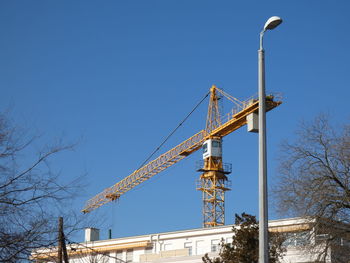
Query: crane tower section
x=213 y=181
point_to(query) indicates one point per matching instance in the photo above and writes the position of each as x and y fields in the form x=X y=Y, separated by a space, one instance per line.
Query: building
x=186 y=246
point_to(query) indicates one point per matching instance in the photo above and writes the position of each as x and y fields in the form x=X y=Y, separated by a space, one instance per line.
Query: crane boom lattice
x=147 y=171
x=231 y=122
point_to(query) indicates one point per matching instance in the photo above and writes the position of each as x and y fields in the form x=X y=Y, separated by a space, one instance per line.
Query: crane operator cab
x=212 y=148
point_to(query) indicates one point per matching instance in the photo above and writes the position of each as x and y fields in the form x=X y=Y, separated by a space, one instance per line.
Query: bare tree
x=314 y=182
x=31 y=197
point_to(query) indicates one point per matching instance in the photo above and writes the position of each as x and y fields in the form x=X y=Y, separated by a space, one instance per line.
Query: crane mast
x=213 y=181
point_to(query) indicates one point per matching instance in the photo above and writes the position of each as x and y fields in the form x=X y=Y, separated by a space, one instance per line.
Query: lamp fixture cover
x=272 y=22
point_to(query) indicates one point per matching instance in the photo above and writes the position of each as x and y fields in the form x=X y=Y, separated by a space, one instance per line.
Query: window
x=167 y=246
x=189 y=246
x=229 y=240
x=321 y=237
x=148 y=250
x=215 y=245
x=301 y=238
x=205 y=148
x=297 y=239
x=200 y=249
x=344 y=242
x=216 y=144
x=129 y=255
x=119 y=256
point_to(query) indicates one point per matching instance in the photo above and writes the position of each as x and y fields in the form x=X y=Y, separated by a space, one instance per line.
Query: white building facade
x=188 y=246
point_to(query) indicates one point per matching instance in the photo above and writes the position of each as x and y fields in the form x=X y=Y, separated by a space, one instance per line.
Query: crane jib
x=233 y=121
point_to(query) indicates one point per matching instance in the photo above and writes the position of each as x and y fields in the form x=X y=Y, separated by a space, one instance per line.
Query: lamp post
x=270 y=24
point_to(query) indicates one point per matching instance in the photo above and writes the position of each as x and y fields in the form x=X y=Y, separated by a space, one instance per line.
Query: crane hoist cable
x=170 y=134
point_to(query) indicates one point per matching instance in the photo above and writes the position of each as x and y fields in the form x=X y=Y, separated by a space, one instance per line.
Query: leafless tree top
x=31 y=195
x=314 y=179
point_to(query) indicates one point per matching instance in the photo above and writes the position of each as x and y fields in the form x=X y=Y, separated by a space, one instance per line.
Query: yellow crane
x=213 y=180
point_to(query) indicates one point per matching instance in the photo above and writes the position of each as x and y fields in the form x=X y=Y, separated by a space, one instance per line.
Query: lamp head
x=272 y=22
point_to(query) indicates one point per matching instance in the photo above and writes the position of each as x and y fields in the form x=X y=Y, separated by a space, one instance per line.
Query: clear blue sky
x=118 y=76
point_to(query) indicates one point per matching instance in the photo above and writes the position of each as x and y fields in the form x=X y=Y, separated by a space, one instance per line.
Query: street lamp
x=270 y=24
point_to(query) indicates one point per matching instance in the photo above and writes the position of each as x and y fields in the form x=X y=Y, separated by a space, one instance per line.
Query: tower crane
x=213 y=181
